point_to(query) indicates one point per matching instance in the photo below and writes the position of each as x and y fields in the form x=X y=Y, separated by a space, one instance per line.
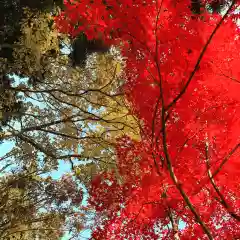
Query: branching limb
x=184 y=89
x=225 y=160
x=223 y=201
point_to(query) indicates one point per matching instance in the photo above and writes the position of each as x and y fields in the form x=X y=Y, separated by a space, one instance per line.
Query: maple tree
x=44 y=135
x=182 y=82
x=34 y=95
x=48 y=108
x=61 y=107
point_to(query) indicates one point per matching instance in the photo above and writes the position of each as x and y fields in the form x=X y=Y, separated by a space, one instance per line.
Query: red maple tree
x=182 y=181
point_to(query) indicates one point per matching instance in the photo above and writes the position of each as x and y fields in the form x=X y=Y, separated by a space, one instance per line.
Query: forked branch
x=184 y=89
x=222 y=199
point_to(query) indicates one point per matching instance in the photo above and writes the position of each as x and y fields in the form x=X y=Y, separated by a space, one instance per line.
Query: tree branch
x=225 y=160
x=174 y=225
x=223 y=201
x=200 y=58
x=169 y=162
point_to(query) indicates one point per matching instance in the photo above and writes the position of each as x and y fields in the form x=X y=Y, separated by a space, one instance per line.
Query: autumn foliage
x=182 y=180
